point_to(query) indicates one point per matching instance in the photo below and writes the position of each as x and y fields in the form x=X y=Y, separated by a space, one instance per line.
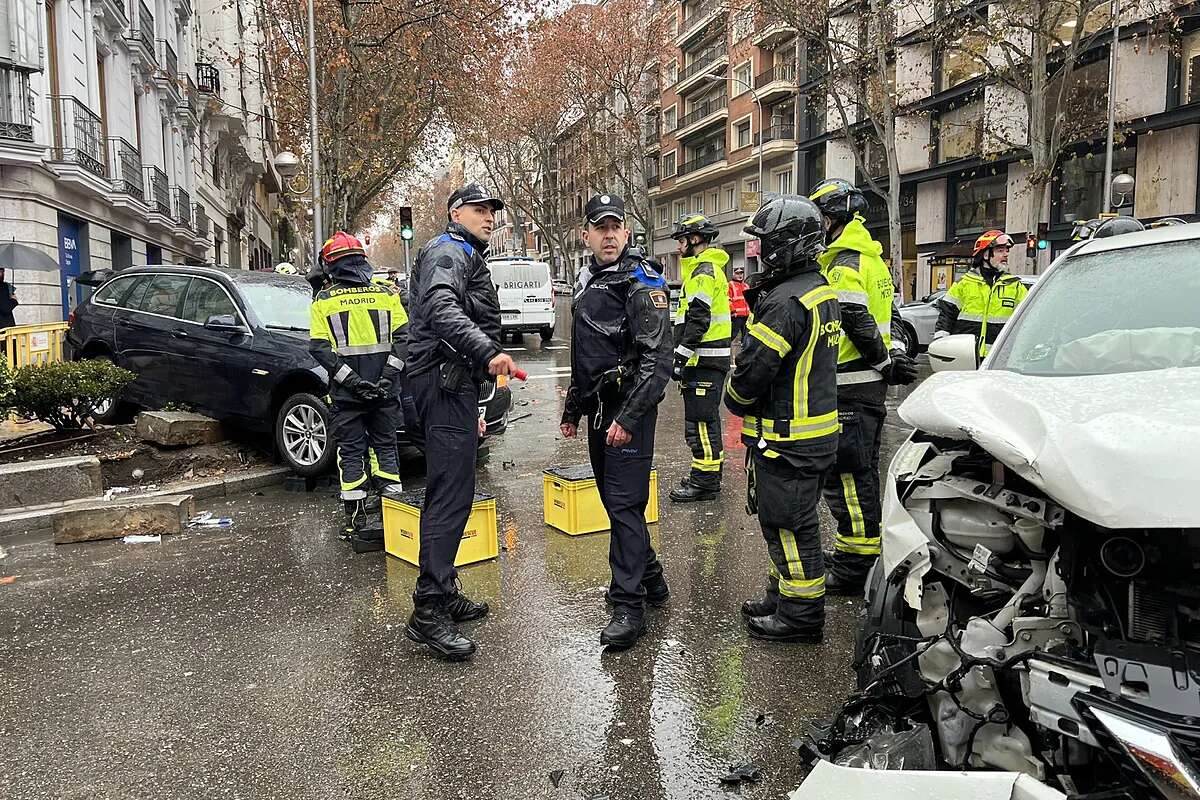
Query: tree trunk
x=1041 y=149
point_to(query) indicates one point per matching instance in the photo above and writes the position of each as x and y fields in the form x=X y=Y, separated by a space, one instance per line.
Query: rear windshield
x=520 y=277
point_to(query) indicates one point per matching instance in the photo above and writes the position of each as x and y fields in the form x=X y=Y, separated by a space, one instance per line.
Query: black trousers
x=702 y=423
x=852 y=489
x=362 y=429
x=451 y=424
x=784 y=491
x=623 y=478
x=739 y=329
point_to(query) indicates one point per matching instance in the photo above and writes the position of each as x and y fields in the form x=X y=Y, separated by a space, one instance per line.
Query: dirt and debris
x=743 y=772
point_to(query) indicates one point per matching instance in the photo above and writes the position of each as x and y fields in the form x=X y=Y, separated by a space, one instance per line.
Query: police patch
x=658 y=298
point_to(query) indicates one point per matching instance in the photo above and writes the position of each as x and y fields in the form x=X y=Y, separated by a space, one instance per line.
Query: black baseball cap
x=472 y=194
x=604 y=205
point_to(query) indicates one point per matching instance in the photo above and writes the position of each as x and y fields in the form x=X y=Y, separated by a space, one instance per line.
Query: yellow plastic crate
x=571 y=501
x=402 y=529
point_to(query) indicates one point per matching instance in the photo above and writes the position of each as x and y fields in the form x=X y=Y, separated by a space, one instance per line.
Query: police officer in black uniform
x=784 y=386
x=621 y=345
x=454 y=343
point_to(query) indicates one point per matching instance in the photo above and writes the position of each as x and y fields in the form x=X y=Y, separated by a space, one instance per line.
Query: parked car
x=231 y=344
x=562 y=287
x=526 y=297
x=918 y=319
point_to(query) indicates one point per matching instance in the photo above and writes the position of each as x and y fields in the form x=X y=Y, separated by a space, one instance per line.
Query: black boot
x=763 y=607
x=773 y=628
x=430 y=625
x=463 y=609
x=846 y=573
x=624 y=629
x=692 y=492
x=364 y=528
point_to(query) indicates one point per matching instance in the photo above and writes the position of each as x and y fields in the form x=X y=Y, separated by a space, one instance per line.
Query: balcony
x=711 y=110
x=700 y=162
x=168 y=61
x=16 y=118
x=141 y=35
x=77 y=136
x=779 y=79
x=209 y=79
x=779 y=132
x=125 y=163
x=706 y=62
x=771 y=33
x=201 y=217
x=158 y=191
x=652 y=138
x=652 y=181
x=183 y=207
x=697 y=20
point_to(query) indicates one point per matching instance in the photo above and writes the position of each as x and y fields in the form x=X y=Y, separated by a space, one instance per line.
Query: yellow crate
x=402 y=529
x=571 y=501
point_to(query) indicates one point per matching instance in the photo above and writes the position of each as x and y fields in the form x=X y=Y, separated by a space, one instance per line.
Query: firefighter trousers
x=623 y=479
x=451 y=424
x=852 y=490
x=784 y=492
x=365 y=431
x=702 y=424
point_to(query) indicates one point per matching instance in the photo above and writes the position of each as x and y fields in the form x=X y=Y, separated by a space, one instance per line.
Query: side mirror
x=225 y=323
x=954 y=353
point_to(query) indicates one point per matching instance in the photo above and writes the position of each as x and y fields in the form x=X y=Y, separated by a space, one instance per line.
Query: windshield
x=280 y=305
x=1125 y=310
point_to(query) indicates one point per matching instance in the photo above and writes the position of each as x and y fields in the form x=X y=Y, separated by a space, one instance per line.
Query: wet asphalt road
x=268 y=661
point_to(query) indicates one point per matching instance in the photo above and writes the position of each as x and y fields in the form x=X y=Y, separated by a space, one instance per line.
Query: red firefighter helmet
x=340 y=245
x=990 y=239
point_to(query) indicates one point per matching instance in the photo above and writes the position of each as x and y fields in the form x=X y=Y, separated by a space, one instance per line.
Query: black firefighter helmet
x=791 y=230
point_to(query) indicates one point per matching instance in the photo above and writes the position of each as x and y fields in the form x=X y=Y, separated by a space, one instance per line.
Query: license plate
x=510 y=316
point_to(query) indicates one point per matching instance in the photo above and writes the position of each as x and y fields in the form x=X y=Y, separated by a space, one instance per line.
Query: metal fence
x=78 y=139
x=158 y=191
x=125 y=163
x=33 y=344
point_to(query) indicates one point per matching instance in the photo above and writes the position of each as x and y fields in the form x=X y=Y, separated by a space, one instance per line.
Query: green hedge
x=65 y=394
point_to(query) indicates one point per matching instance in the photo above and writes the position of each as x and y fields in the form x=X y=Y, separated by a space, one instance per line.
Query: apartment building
x=132 y=132
x=959 y=176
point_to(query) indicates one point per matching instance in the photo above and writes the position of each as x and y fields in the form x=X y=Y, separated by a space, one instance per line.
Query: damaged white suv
x=1036 y=609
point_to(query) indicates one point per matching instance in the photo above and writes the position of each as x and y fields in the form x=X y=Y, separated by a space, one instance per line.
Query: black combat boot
x=846 y=573
x=773 y=628
x=624 y=629
x=463 y=609
x=765 y=606
x=693 y=491
x=430 y=625
x=364 y=528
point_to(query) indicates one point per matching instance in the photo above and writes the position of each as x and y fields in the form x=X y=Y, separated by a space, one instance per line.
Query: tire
x=115 y=412
x=909 y=337
x=547 y=334
x=303 y=436
x=517 y=337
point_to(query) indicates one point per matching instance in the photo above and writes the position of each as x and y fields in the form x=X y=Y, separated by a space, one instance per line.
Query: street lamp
x=314 y=138
x=1121 y=187
x=758 y=103
x=1115 y=13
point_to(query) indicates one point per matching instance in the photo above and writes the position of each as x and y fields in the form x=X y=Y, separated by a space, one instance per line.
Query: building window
x=670 y=118
x=741 y=134
x=960 y=132
x=679 y=207
x=697 y=204
x=730 y=197
x=815 y=113
x=673 y=26
x=814 y=167
x=668 y=164
x=743 y=23
x=16 y=116
x=750 y=186
x=1189 y=86
x=783 y=181
x=663 y=215
x=217 y=171
x=962 y=62
x=671 y=73
x=980 y=203
x=714 y=202
x=742 y=79
x=1078 y=190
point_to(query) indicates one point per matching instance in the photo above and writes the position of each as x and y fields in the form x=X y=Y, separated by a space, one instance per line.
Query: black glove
x=385 y=386
x=366 y=391
x=901 y=371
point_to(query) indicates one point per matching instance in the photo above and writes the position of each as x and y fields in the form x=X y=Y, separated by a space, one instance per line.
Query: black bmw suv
x=230 y=344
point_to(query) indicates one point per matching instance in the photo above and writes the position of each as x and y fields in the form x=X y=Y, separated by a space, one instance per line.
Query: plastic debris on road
x=142 y=538
x=745 y=772
x=209 y=520
x=113 y=491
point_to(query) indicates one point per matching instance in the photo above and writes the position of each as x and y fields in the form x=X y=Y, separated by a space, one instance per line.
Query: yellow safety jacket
x=703 y=326
x=981 y=309
x=358 y=330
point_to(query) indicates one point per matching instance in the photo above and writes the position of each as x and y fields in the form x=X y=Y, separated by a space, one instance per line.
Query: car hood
x=1119 y=450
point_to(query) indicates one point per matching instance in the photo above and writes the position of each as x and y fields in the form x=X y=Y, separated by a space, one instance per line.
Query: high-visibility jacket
x=357 y=329
x=703 y=326
x=979 y=308
x=738 y=306
x=785 y=384
x=863 y=283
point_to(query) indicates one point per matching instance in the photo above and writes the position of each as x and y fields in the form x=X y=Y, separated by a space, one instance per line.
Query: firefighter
x=866 y=367
x=358 y=333
x=620 y=366
x=453 y=347
x=739 y=309
x=702 y=339
x=784 y=386
x=983 y=300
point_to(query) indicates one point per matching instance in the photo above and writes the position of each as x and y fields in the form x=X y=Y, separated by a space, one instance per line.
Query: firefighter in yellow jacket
x=866 y=366
x=703 y=329
x=983 y=300
x=358 y=334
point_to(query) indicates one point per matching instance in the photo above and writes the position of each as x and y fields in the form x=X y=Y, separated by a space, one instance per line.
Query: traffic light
x=1043 y=235
x=406 y=224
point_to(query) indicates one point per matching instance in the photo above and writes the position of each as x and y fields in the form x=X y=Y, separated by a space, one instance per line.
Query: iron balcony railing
x=201 y=217
x=779 y=72
x=782 y=131
x=183 y=207
x=193 y=97
x=209 y=78
x=78 y=138
x=710 y=106
x=16 y=100
x=697 y=15
x=652 y=136
x=158 y=191
x=125 y=163
x=652 y=181
x=706 y=160
x=168 y=60
x=703 y=61
x=145 y=27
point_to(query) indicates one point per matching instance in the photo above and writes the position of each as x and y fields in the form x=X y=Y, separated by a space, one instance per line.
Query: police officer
x=866 y=367
x=983 y=300
x=784 y=387
x=620 y=367
x=702 y=336
x=454 y=344
x=358 y=333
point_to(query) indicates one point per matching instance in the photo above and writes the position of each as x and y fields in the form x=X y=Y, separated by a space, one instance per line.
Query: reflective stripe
x=818 y=295
x=979 y=318
x=858 y=376
x=384 y=328
x=701 y=295
x=714 y=319
x=863 y=547
x=850 y=494
x=797 y=584
x=379 y=472
x=365 y=349
x=811 y=428
x=713 y=351
x=354 y=494
x=853 y=298
x=337 y=327
x=804 y=367
x=770 y=338
x=882 y=365
x=343 y=373
x=952 y=300
x=683 y=351
x=737 y=398
x=885 y=328
x=395 y=363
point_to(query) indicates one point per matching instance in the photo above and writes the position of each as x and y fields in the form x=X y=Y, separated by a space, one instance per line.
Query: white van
x=526 y=295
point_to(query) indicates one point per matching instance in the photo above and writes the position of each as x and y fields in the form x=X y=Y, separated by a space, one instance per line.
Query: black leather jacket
x=452 y=298
x=619 y=320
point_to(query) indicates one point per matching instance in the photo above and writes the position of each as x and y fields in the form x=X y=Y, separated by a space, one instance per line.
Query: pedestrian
x=454 y=345
x=8 y=301
x=983 y=300
x=784 y=386
x=702 y=339
x=739 y=309
x=867 y=365
x=620 y=367
x=358 y=332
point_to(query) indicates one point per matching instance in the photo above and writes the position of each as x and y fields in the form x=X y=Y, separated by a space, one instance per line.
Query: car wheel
x=908 y=338
x=303 y=435
x=547 y=334
x=114 y=411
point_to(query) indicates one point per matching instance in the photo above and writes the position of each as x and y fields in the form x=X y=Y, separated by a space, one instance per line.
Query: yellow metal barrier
x=33 y=344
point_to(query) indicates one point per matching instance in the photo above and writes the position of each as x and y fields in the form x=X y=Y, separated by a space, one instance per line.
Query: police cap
x=474 y=194
x=604 y=205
